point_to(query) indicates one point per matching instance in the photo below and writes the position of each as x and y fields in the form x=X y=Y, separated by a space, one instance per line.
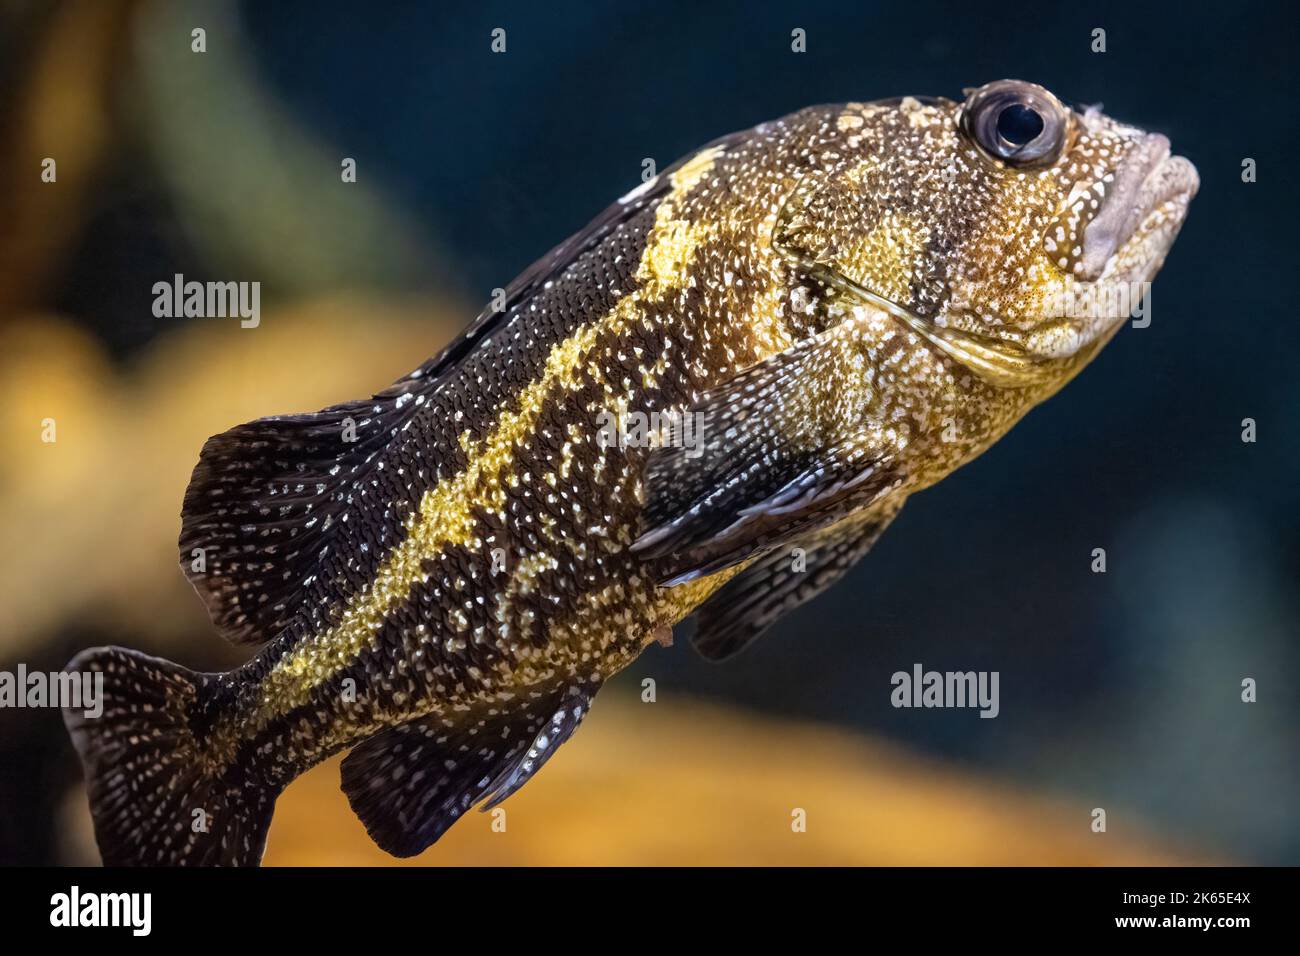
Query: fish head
x=1010 y=230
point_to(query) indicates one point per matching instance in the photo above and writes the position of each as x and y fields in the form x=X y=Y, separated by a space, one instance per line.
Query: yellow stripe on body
x=445 y=516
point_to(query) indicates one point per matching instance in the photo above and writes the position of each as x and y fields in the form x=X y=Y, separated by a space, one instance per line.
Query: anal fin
x=408 y=785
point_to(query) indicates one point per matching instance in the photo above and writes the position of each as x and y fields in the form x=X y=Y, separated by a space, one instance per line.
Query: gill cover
x=882 y=237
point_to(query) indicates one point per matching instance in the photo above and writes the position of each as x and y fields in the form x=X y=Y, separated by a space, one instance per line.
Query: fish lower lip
x=1147 y=180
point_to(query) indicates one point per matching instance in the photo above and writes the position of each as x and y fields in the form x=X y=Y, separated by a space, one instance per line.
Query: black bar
x=330 y=905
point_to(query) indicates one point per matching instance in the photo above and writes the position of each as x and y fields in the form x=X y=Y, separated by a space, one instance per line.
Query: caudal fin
x=154 y=798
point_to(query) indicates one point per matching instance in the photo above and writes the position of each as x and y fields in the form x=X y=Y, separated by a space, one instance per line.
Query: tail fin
x=153 y=800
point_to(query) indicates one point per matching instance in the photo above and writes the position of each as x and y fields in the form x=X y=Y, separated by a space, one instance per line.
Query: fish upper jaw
x=1146 y=181
x=1123 y=248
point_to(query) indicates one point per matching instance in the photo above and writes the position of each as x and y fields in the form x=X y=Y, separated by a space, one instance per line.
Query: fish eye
x=1016 y=123
x=1019 y=125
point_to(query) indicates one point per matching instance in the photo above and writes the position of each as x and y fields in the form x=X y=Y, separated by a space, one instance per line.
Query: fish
x=823 y=314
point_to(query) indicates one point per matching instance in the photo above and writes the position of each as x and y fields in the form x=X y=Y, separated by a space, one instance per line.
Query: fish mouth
x=1148 y=179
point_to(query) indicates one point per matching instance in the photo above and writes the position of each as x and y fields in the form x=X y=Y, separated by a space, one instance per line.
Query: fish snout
x=1148 y=178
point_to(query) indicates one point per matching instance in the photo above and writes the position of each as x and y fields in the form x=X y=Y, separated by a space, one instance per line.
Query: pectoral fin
x=783 y=454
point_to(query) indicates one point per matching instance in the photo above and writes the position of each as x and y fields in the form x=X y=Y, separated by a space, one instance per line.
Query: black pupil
x=1019 y=125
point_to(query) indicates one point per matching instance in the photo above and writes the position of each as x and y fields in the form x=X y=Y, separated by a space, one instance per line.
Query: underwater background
x=1120 y=690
